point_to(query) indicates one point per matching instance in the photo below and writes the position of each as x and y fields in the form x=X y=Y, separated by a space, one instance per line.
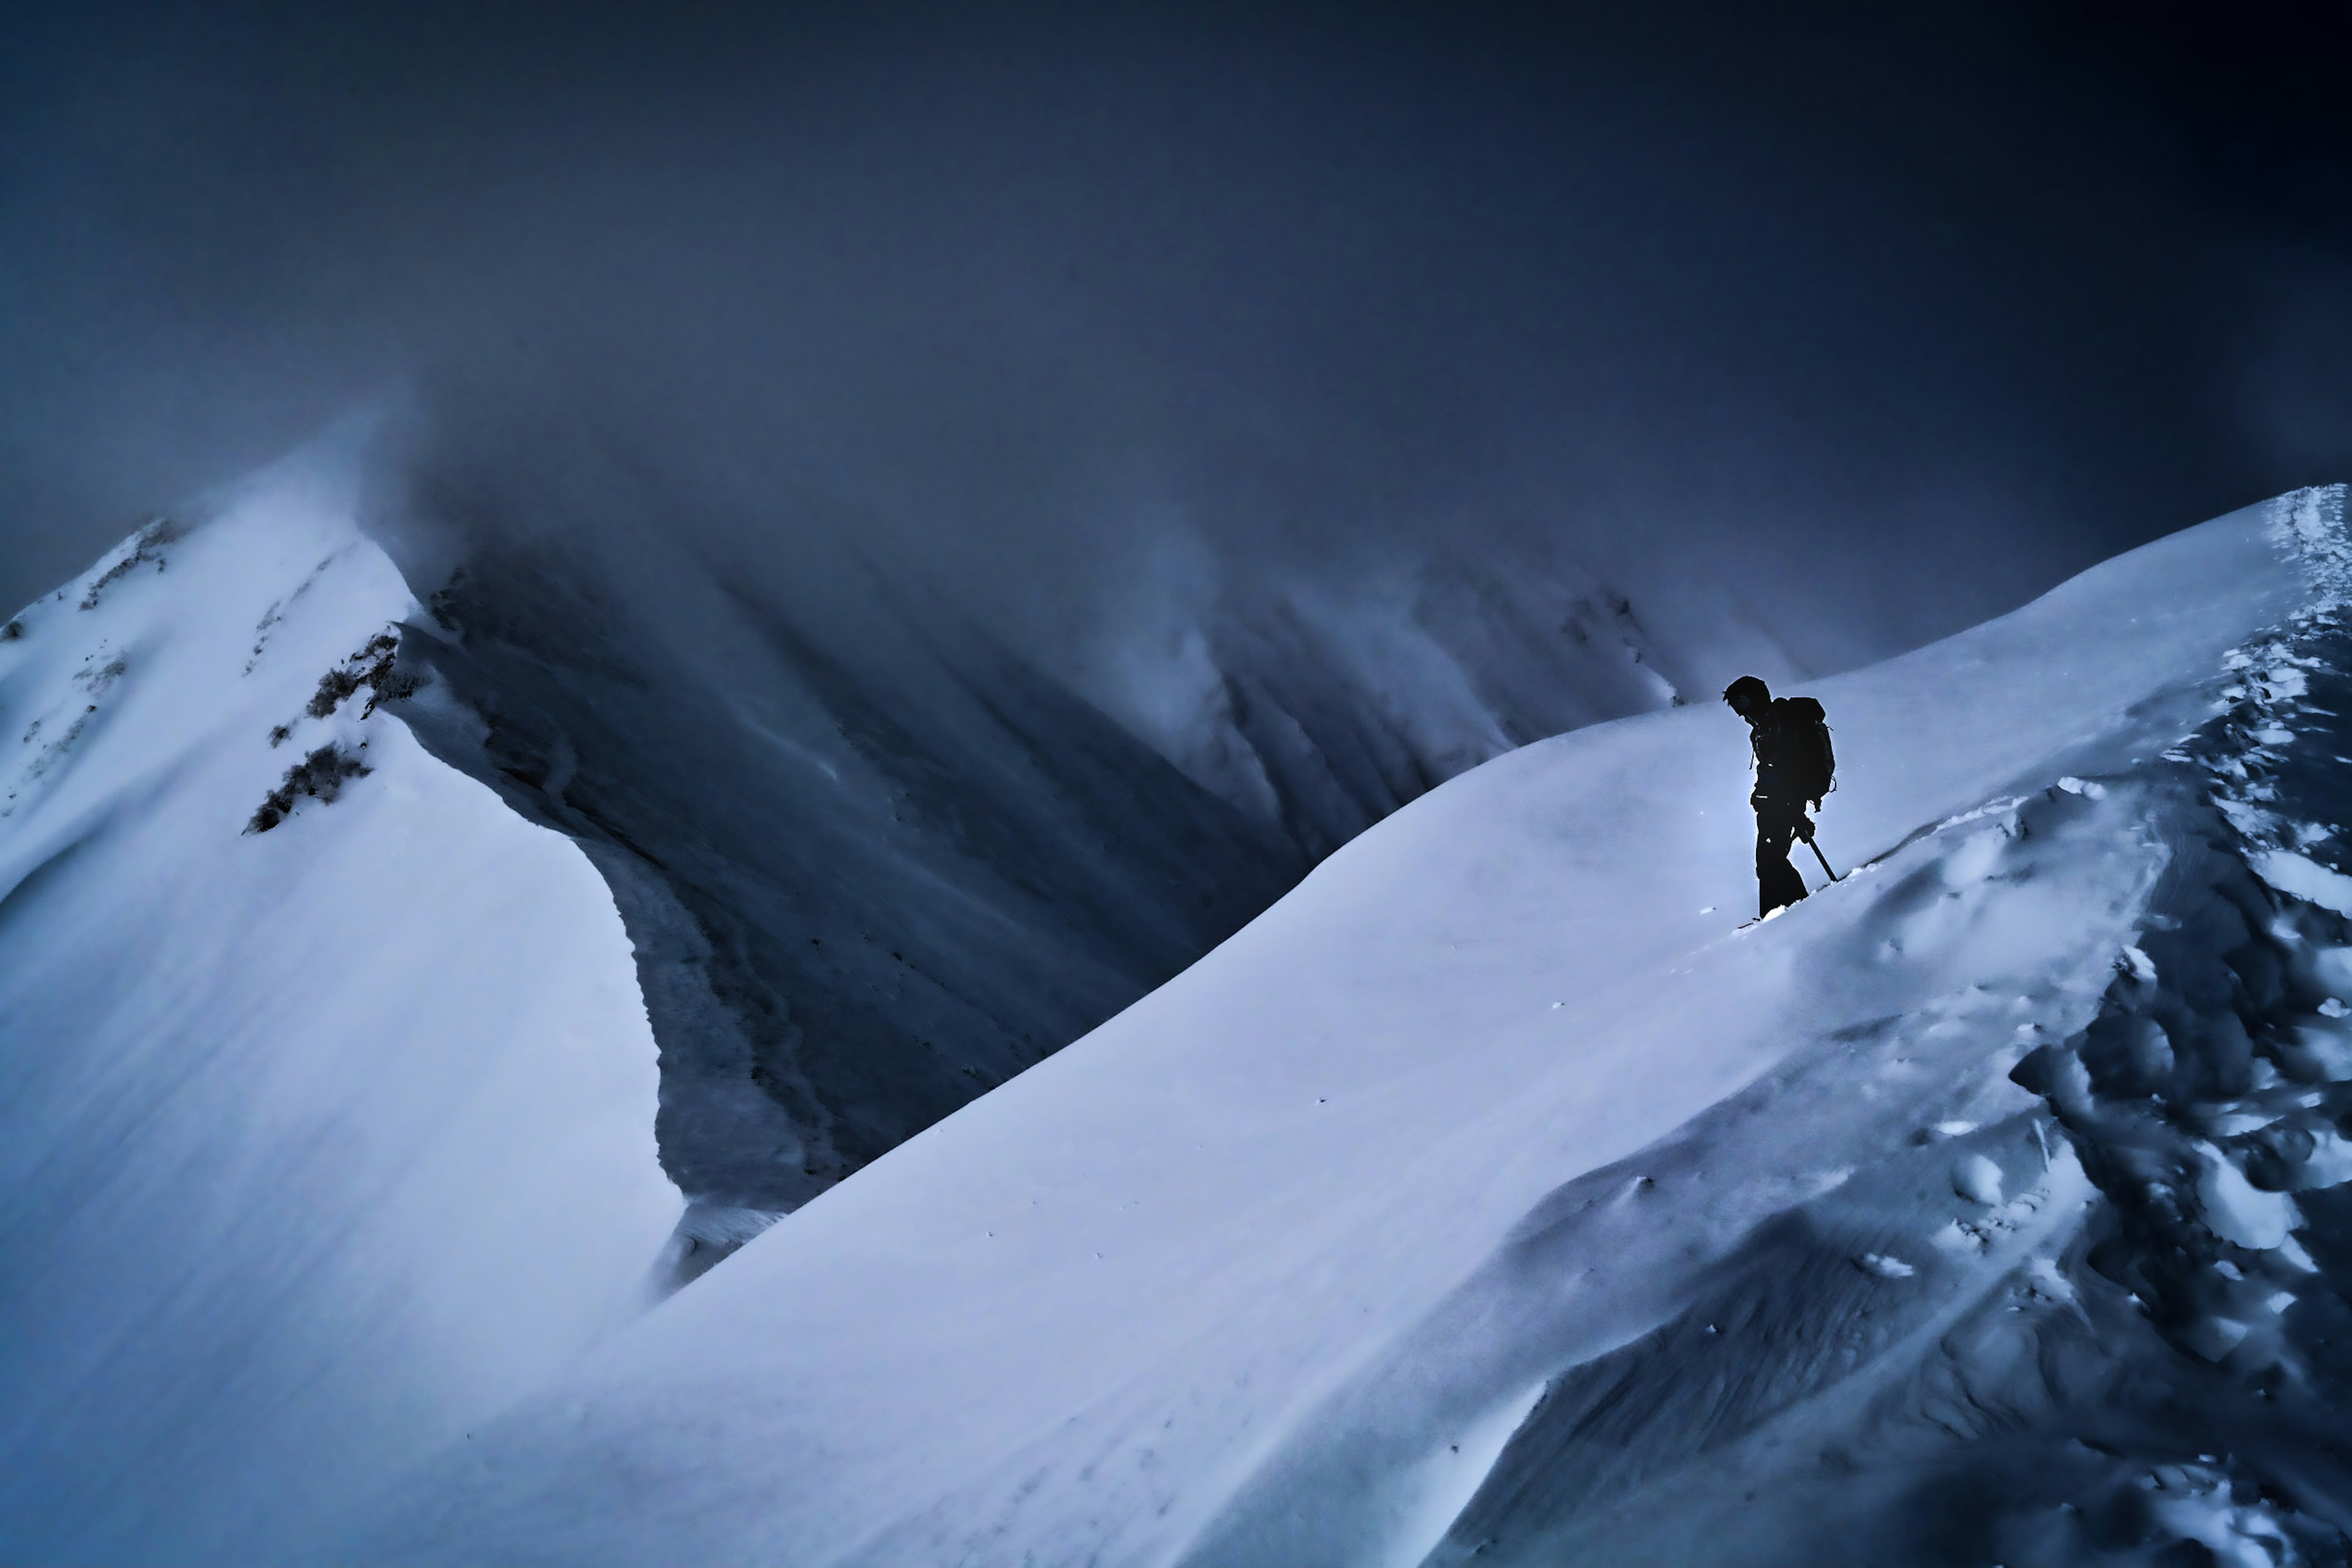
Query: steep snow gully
x=1488 y=1198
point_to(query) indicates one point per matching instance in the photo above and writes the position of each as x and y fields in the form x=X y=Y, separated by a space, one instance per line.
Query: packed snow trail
x=319 y=1143
x=2160 y=1380
x=1272 y=1268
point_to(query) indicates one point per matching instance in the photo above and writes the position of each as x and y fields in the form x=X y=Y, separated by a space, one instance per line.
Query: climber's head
x=1747 y=696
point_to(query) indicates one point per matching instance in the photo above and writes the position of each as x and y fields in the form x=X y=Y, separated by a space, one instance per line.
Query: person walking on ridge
x=1795 y=768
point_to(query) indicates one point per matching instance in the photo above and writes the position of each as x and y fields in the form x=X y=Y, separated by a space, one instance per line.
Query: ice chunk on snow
x=2236 y=1210
x=2049 y=1281
x=2301 y=877
x=1885 y=1266
x=1959 y=1240
x=2198 y=1505
x=2330 y=1163
x=2247 y=818
x=2214 y=1338
x=1978 y=1180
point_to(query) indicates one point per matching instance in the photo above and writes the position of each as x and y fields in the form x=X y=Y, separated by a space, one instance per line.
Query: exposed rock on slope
x=317 y=1145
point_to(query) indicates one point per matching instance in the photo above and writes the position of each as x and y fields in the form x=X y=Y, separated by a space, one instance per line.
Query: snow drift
x=326 y=1094
x=1490 y=1196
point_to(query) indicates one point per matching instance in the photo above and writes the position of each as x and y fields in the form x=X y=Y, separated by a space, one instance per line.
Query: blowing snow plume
x=1488 y=1199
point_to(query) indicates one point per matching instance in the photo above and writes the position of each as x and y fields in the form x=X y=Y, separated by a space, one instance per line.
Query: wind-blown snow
x=1492 y=1143
x=318 y=1144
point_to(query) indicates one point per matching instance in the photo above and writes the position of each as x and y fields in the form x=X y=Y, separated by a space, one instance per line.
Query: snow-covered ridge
x=876 y=861
x=325 y=1125
x=2309 y=525
x=1491 y=1198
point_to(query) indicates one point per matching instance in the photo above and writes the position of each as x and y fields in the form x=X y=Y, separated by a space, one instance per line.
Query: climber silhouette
x=1795 y=768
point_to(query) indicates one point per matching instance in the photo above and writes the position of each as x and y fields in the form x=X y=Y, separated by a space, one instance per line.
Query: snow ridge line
x=2209 y=1098
x=2308 y=524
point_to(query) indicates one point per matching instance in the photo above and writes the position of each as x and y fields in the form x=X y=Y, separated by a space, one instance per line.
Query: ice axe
x=1816 y=848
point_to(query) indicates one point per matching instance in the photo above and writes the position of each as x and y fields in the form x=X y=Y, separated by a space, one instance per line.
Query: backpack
x=1810 y=760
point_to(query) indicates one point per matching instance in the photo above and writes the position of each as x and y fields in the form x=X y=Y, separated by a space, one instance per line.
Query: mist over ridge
x=1888 y=323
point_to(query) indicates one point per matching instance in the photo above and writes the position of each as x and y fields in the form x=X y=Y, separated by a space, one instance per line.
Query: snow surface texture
x=326 y=1128
x=1489 y=1198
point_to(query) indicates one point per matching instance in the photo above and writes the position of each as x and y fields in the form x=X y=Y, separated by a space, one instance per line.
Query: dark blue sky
x=1901 y=318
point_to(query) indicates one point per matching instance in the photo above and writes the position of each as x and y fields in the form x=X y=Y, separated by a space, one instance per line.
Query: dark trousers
x=1779 y=824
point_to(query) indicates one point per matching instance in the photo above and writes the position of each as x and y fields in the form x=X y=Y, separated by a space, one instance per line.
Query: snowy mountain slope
x=1303 y=1258
x=320 y=1142
x=876 y=862
x=2160 y=1381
